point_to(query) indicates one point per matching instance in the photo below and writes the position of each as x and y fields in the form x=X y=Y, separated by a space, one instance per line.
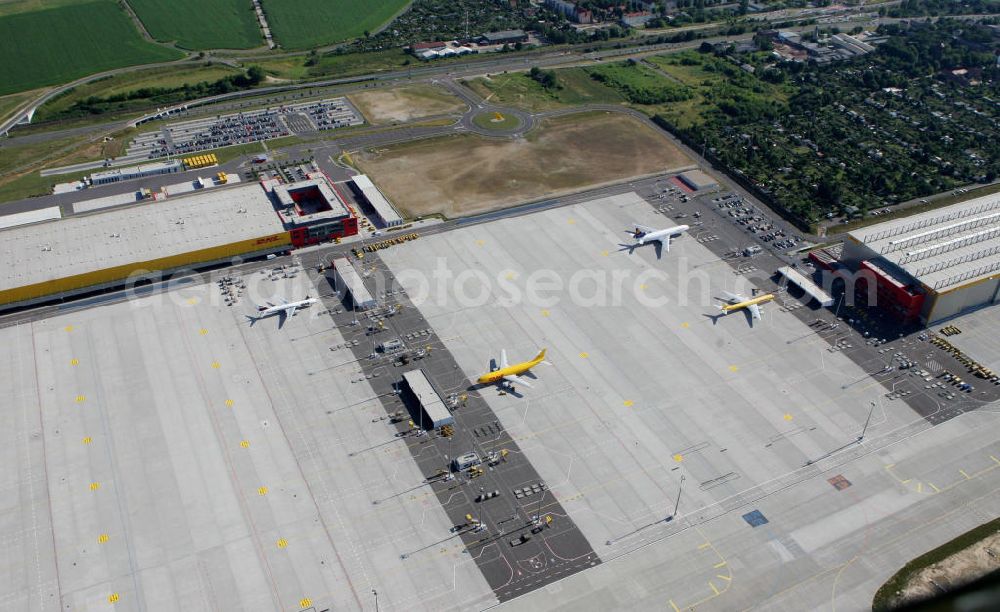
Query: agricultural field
x=405 y=103
x=463 y=174
x=301 y=24
x=196 y=24
x=574 y=87
x=57 y=45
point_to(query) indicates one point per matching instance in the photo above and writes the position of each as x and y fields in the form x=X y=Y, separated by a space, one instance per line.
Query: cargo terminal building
x=931 y=266
x=85 y=253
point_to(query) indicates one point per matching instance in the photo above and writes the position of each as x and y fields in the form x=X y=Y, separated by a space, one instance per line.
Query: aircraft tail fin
x=540 y=356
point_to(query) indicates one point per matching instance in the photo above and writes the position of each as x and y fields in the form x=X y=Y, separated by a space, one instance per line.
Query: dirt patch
x=951 y=573
x=405 y=103
x=466 y=174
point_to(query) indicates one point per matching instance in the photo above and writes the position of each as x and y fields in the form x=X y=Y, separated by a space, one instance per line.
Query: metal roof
x=945 y=248
x=814 y=290
x=378 y=201
x=429 y=399
x=30 y=216
x=355 y=285
x=119 y=237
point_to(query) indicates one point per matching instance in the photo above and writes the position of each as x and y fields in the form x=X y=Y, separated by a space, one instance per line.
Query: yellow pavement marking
x=203 y=331
x=305 y=602
x=726 y=578
x=216 y=365
x=967 y=477
x=604 y=253
x=74 y=361
x=734 y=368
x=103 y=538
x=480 y=242
x=704 y=546
x=719 y=564
x=642 y=286
x=678 y=457
x=88 y=440
x=931 y=485
x=545 y=312
x=95 y=486
x=628 y=403
x=261 y=490
x=890 y=466
x=584 y=355
x=229 y=402
x=920 y=487
x=571 y=221
x=674 y=606
x=685 y=325
x=787 y=417
x=510 y=276
x=282 y=543
x=245 y=443
x=907 y=481
x=192 y=300
x=68 y=328
x=113 y=598
x=714 y=590
x=80 y=399
x=995 y=460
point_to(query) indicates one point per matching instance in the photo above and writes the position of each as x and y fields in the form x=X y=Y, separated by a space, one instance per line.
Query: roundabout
x=497 y=121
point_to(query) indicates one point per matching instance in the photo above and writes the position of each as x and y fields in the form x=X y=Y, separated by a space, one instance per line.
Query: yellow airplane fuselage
x=757 y=300
x=511 y=370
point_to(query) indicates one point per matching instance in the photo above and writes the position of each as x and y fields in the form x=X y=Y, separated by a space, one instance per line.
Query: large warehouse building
x=84 y=253
x=931 y=266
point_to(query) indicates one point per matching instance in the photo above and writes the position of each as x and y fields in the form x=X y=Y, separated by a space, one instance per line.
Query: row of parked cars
x=748 y=216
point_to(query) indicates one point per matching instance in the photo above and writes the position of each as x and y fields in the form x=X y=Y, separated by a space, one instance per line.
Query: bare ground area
x=953 y=572
x=465 y=174
x=405 y=103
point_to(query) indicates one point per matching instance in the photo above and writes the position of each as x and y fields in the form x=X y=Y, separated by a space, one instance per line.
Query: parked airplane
x=644 y=235
x=507 y=373
x=735 y=301
x=284 y=309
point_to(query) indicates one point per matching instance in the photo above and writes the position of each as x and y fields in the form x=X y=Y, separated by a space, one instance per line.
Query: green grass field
x=300 y=24
x=199 y=24
x=61 y=44
x=519 y=90
x=163 y=76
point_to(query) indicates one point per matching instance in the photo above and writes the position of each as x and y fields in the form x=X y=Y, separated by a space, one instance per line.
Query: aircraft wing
x=734 y=298
x=517 y=380
x=503 y=359
x=290 y=311
x=754 y=311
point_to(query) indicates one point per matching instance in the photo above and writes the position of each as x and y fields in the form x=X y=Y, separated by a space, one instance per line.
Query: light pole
x=375 y=593
x=867 y=421
x=676 y=503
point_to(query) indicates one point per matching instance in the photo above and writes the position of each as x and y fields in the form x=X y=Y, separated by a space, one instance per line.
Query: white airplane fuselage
x=265 y=311
x=662 y=235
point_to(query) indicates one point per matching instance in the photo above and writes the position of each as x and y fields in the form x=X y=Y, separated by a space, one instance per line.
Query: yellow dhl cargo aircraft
x=734 y=301
x=507 y=373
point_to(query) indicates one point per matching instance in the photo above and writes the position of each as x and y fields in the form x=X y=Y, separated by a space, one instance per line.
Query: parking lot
x=252 y=126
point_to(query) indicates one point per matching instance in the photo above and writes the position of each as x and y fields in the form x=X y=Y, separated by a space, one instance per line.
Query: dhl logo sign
x=269 y=239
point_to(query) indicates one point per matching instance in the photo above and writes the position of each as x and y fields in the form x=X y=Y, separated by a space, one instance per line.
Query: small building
x=433 y=413
x=347 y=280
x=506 y=37
x=371 y=197
x=118 y=175
x=697 y=180
x=636 y=18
